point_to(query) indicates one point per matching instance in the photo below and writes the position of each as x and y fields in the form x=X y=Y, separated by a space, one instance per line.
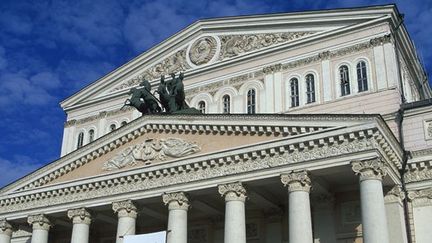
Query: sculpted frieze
x=151 y=150
x=234 y=45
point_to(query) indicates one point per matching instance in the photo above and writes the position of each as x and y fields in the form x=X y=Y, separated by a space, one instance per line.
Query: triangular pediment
x=162 y=139
x=215 y=42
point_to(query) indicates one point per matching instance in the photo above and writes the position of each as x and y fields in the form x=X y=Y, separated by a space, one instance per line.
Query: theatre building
x=315 y=127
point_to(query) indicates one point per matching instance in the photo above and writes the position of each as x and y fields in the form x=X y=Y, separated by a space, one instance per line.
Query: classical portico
x=210 y=191
x=301 y=140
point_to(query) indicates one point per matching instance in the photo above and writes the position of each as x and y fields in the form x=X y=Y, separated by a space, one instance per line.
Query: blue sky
x=51 y=49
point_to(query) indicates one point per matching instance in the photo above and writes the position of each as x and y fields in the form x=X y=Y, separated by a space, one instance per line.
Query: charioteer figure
x=171 y=97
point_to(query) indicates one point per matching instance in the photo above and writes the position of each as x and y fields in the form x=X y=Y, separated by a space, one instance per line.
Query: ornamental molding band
x=125 y=209
x=233 y=191
x=39 y=221
x=5 y=227
x=428 y=129
x=419 y=174
x=79 y=216
x=395 y=195
x=194 y=171
x=151 y=150
x=117 y=138
x=176 y=200
x=373 y=169
x=297 y=181
x=421 y=198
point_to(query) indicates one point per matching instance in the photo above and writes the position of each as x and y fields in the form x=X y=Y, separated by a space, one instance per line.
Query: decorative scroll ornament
x=39 y=221
x=5 y=227
x=79 y=216
x=150 y=150
x=233 y=191
x=370 y=169
x=176 y=200
x=125 y=209
x=297 y=181
x=203 y=50
x=234 y=45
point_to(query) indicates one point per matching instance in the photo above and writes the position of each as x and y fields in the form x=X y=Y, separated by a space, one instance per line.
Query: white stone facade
x=300 y=141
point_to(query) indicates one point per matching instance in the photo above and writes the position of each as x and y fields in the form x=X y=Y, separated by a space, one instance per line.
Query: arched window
x=251 y=101
x=310 y=88
x=123 y=123
x=226 y=104
x=91 y=134
x=80 y=140
x=344 y=80
x=362 y=76
x=113 y=127
x=295 y=99
x=202 y=106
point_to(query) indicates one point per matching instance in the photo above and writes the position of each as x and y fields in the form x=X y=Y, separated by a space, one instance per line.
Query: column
x=374 y=219
x=235 y=217
x=324 y=219
x=178 y=205
x=5 y=231
x=127 y=214
x=41 y=226
x=81 y=219
x=299 y=213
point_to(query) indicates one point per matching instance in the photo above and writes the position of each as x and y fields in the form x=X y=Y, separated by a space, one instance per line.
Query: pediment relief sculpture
x=151 y=150
x=205 y=50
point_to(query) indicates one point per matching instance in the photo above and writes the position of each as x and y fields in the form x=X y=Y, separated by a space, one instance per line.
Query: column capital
x=176 y=200
x=5 y=227
x=394 y=195
x=233 y=191
x=372 y=169
x=297 y=181
x=125 y=209
x=421 y=197
x=79 y=216
x=39 y=221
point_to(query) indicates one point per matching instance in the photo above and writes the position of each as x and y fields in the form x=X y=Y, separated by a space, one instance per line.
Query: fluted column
x=5 y=231
x=299 y=213
x=81 y=219
x=41 y=226
x=127 y=214
x=374 y=219
x=178 y=205
x=235 y=218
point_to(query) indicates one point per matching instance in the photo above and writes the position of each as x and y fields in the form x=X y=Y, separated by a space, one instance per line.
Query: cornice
x=278 y=154
x=234 y=124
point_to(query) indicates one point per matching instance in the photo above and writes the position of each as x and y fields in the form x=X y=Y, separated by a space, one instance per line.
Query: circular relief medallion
x=202 y=50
